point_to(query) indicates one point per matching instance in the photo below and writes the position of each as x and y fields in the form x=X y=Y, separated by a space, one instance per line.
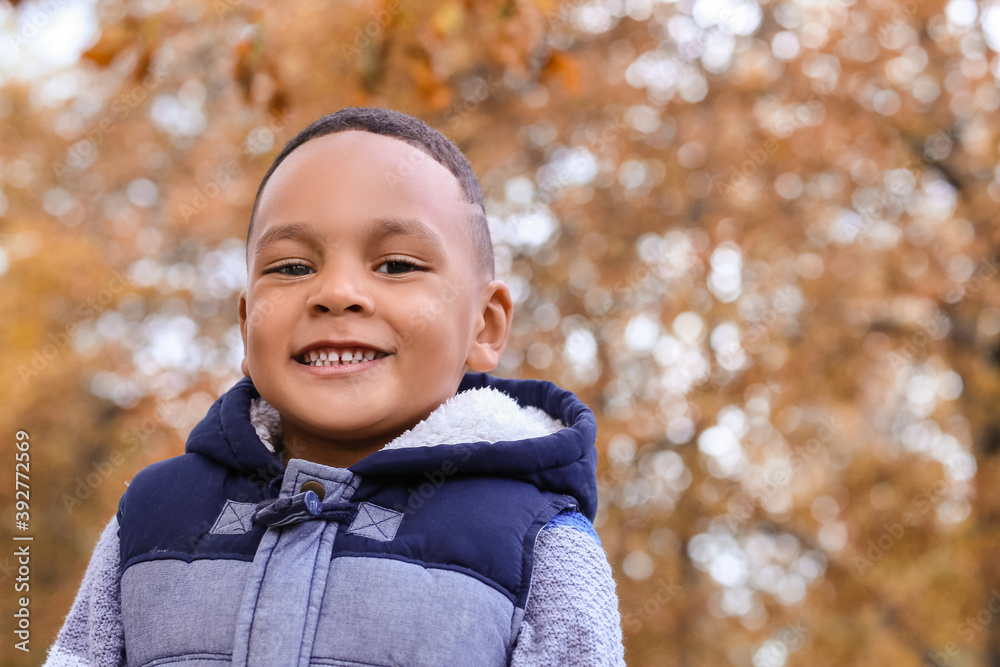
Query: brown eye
x=290 y=269
x=397 y=266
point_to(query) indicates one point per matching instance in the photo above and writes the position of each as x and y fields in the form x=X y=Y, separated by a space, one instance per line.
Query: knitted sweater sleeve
x=92 y=634
x=572 y=615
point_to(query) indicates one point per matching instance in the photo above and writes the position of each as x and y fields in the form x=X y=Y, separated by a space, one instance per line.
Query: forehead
x=340 y=179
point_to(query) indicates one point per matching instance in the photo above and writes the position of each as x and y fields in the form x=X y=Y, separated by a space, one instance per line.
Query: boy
x=366 y=495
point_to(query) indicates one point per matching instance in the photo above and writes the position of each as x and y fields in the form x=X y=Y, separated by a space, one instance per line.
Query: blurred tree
x=756 y=237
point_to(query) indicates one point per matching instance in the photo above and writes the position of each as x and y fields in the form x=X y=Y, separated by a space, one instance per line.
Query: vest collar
x=528 y=430
x=479 y=414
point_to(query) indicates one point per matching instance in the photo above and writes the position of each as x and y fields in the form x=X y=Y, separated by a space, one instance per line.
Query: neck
x=333 y=453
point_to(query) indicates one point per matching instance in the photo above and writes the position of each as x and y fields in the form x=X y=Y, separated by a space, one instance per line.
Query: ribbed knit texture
x=92 y=635
x=572 y=615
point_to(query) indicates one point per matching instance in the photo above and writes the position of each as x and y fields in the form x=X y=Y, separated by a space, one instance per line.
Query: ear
x=245 y=364
x=492 y=327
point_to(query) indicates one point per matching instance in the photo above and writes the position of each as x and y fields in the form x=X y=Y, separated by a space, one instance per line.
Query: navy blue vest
x=411 y=556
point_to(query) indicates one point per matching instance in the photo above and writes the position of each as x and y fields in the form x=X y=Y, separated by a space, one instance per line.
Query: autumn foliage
x=758 y=238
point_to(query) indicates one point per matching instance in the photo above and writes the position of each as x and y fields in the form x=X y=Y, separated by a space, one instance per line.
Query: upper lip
x=326 y=344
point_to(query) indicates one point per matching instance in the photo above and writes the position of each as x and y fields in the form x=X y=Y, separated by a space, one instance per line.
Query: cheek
x=431 y=308
x=414 y=316
x=261 y=338
x=437 y=323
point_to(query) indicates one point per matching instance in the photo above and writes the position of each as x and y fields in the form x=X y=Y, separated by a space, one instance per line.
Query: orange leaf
x=113 y=40
x=563 y=67
x=448 y=19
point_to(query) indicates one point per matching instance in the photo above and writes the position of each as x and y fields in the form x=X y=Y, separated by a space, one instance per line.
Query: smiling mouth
x=339 y=356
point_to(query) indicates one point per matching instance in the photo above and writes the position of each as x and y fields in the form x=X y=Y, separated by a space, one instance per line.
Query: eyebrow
x=378 y=229
x=293 y=231
x=381 y=229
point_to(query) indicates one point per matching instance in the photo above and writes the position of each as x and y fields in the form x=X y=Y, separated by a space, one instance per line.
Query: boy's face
x=362 y=244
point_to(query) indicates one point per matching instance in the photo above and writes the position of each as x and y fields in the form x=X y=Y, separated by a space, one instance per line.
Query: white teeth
x=331 y=358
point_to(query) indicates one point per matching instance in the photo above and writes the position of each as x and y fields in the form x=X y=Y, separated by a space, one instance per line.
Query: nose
x=340 y=290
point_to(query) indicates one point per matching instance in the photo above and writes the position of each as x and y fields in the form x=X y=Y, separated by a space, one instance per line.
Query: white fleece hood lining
x=476 y=415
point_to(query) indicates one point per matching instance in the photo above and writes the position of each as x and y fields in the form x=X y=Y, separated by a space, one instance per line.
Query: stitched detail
x=529 y=541
x=432 y=566
x=226 y=398
x=187 y=558
x=376 y=523
x=189 y=657
x=234 y=519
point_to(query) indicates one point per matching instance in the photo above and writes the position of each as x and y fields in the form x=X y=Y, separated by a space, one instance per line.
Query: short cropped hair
x=419 y=135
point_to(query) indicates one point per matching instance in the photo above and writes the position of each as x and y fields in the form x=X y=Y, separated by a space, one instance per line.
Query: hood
x=529 y=430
